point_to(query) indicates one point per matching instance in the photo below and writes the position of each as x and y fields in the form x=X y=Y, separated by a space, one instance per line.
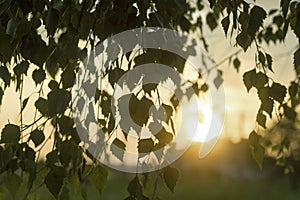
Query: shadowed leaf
x=10 y=134
x=171 y=176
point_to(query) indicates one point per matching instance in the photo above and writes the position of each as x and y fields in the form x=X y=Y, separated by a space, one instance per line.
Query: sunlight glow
x=205 y=123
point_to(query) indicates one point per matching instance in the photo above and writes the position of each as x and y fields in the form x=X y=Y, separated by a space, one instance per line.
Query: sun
x=204 y=123
x=208 y=119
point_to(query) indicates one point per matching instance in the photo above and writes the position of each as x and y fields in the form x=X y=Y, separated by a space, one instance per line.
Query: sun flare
x=207 y=121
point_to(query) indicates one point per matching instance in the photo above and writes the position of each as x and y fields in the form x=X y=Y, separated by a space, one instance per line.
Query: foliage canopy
x=45 y=41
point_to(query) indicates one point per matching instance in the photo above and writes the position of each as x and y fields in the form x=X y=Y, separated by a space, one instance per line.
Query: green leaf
x=267 y=106
x=114 y=76
x=249 y=79
x=58 y=101
x=225 y=24
x=41 y=106
x=21 y=68
x=68 y=78
x=54 y=183
x=260 y=80
x=257 y=15
x=117 y=148
x=163 y=138
x=12 y=27
x=261 y=119
x=5 y=75
x=68 y=152
x=289 y=112
x=284 y=4
x=145 y=145
x=236 y=64
x=264 y=93
x=52 y=158
x=293 y=89
x=257 y=150
x=139 y=109
x=244 y=20
x=37 y=137
x=33 y=48
x=258 y=153
x=53 y=85
x=211 y=3
x=98 y=177
x=12 y=183
x=38 y=75
x=244 y=40
x=168 y=111
x=10 y=134
x=185 y=24
x=254 y=138
x=269 y=62
x=171 y=176
x=278 y=92
x=66 y=125
x=135 y=188
x=52 y=21
x=278 y=20
x=211 y=21
x=261 y=58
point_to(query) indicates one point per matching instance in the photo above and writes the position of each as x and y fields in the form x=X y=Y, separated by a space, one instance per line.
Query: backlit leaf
x=257 y=15
x=257 y=150
x=145 y=145
x=293 y=89
x=284 y=4
x=5 y=75
x=267 y=106
x=269 y=62
x=211 y=21
x=10 y=134
x=261 y=119
x=278 y=92
x=261 y=58
x=52 y=21
x=163 y=138
x=244 y=40
x=260 y=80
x=114 y=76
x=38 y=75
x=249 y=79
x=68 y=78
x=37 y=136
x=41 y=105
x=225 y=24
